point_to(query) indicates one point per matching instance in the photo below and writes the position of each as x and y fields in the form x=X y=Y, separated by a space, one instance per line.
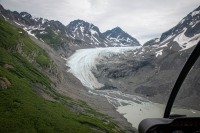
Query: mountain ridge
x=77 y=33
x=191 y=21
x=189 y=26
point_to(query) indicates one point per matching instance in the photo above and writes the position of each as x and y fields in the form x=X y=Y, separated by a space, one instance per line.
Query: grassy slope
x=21 y=108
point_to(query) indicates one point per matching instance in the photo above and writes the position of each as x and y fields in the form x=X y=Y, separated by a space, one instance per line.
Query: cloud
x=143 y=20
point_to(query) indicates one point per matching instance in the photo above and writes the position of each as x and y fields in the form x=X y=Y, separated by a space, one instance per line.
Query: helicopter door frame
x=186 y=69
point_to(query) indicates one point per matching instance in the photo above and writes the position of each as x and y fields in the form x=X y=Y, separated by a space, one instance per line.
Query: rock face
x=77 y=34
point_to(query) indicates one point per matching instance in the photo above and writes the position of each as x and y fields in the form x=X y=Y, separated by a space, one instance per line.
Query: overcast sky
x=142 y=19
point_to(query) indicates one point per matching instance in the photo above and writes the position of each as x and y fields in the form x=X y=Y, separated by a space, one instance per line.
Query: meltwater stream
x=133 y=108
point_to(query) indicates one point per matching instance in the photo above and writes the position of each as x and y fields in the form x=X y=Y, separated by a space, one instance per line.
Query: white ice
x=83 y=61
x=186 y=42
x=29 y=32
x=159 y=52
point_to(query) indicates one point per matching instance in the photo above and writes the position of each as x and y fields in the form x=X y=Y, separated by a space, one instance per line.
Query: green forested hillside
x=23 y=88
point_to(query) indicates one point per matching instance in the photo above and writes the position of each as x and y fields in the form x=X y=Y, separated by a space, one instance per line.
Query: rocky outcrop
x=4 y=83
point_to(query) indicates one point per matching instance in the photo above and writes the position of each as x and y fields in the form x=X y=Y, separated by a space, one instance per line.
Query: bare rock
x=4 y=83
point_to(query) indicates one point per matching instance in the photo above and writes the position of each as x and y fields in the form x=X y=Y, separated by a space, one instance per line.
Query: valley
x=76 y=78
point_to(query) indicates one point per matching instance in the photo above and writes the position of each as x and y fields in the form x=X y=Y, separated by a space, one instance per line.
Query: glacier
x=83 y=61
x=134 y=108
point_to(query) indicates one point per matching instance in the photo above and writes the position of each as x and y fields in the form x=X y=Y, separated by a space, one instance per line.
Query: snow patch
x=4 y=17
x=43 y=32
x=96 y=39
x=17 y=23
x=93 y=32
x=29 y=32
x=195 y=13
x=164 y=45
x=186 y=42
x=24 y=15
x=44 y=20
x=157 y=40
x=128 y=40
x=195 y=24
x=159 y=53
x=42 y=40
x=82 y=29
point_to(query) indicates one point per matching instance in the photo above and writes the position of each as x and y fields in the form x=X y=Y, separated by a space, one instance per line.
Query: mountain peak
x=83 y=25
x=119 y=37
x=25 y=14
x=117 y=30
x=78 y=31
x=77 y=22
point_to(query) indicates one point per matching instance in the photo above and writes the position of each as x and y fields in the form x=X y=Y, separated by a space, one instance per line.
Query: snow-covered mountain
x=77 y=34
x=87 y=32
x=189 y=25
x=186 y=33
x=119 y=37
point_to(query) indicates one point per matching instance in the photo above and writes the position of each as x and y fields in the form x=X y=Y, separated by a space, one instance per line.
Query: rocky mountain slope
x=77 y=34
x=189 y=25
x=64 y=82
x=152 y=70
x=30 y=101
x=89 y=33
